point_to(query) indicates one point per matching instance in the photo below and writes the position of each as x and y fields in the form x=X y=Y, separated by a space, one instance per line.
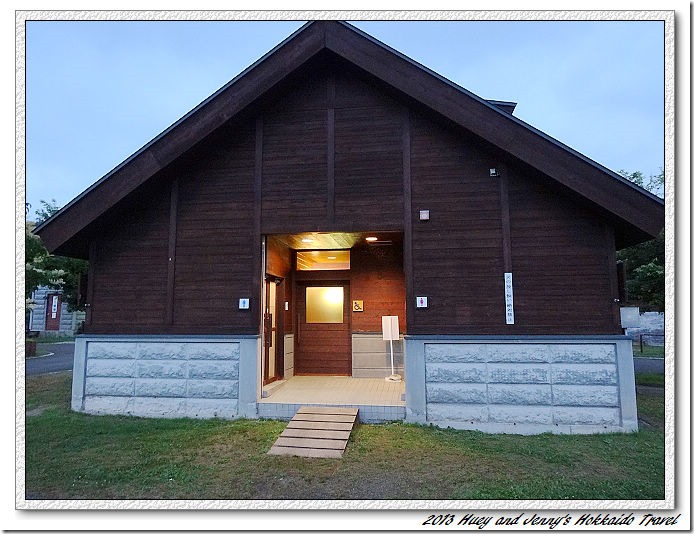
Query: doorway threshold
x=377 y=399
x=270 y=388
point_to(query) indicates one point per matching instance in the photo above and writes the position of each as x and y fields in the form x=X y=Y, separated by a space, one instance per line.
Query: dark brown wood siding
x=334 y=151
x=457 y=254
x=558 y=251
x=214 y=238
x=561 y=263
x=332 y=157
x=368 y=168
x=131 y=264
x=368 y=156
x=209 y=239
x=294 y=183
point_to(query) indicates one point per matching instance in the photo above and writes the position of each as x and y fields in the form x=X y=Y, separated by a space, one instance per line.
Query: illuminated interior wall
x=377 y=279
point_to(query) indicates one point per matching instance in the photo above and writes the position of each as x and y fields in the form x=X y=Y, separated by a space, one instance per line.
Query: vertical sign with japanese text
x=508 y=294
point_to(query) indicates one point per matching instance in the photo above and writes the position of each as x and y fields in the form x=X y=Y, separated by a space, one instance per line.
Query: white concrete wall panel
x=160 y=377
x=524 y=385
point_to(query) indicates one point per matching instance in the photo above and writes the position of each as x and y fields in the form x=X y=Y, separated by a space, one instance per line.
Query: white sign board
x=54 y=306
x=629 y=317
x=508 y=295
x=391 y=328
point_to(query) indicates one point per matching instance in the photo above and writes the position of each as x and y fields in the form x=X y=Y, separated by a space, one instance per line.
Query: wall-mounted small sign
x=508 y=296
x=54 y=306
x=422 y=302
x=423 y=215
x=357 y=305
x=244 y=304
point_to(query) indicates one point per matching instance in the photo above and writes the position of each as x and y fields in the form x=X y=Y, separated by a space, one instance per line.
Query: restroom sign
x=508 y=296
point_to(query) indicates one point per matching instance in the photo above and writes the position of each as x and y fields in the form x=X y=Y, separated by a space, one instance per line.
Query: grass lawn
x=649 y=351
x=650 y=379
x=77 y=456
x=53 y=339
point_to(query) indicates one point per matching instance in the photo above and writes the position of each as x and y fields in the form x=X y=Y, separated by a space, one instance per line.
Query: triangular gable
x=632 y=206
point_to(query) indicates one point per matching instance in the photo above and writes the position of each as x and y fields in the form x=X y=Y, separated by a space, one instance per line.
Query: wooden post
x=171 y=271
x=407 y=218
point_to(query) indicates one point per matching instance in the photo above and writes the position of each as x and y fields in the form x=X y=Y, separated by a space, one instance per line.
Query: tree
x=645 y=262
x=654 y=183
x=44 y=269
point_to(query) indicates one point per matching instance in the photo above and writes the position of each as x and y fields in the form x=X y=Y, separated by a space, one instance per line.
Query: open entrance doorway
x=324 y=296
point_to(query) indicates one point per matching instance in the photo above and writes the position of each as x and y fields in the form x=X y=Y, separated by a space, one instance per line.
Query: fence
x=654 y=347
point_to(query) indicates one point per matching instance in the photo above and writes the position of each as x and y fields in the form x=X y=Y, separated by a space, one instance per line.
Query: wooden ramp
x=316 y=432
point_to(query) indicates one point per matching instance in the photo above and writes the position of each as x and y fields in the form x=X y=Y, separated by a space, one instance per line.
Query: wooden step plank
x=323 y=425
x=324 y=417
x=315 y=433
x=311 y=443
x=306 y=453
x=328 y=410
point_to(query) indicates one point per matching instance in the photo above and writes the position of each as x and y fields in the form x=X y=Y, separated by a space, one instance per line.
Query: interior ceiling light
x=307 y=240
x=371 y=239
x=332 y=257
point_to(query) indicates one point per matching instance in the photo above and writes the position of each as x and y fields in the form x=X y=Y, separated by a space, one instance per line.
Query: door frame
x=278 y=329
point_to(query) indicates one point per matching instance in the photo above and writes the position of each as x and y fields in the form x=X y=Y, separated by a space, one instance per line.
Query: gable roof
x=639 y=214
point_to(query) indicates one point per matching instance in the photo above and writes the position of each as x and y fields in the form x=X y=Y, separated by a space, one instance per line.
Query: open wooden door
x=323 y=340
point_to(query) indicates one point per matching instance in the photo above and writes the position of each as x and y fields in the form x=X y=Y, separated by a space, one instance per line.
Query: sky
x=96 y=92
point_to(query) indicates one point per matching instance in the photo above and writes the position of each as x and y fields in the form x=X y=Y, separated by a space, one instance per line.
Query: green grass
x=648 y=351
x=652 y=411
x=53 y=339
x=71 y=455
x=650 y=379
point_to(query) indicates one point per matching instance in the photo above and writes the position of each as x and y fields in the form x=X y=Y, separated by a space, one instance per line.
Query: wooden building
x=333 y=182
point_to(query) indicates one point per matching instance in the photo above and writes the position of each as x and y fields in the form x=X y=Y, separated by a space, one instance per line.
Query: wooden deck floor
x=316 y=432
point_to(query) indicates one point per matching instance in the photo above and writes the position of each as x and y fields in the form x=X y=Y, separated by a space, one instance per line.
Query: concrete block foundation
x=173 y=376
x=521 y=385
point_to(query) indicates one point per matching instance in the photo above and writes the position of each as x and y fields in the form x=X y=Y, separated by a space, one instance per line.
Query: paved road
x=60 y=361
x=649 y=365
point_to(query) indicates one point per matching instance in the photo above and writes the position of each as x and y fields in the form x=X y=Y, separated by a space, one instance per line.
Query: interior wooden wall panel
x=377 y=278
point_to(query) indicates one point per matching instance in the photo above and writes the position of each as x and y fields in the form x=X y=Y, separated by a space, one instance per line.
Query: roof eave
x=206 y=117
x=570 y=168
